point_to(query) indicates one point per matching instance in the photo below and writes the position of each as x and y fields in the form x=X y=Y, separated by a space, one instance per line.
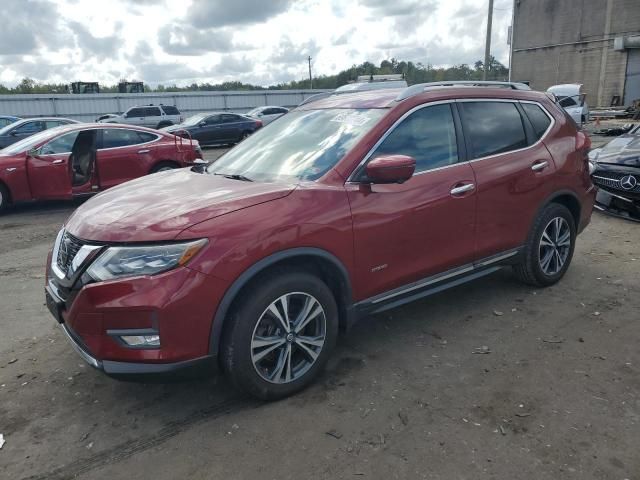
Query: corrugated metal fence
x=88 y=107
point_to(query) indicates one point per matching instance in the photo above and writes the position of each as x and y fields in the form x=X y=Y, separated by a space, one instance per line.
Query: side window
x=269 y=111
x=119 y=137
x=146 y=137
x=493 y=127
x=152 y=112
x=29 y=128
x=62 y=144
x=537 y=117
x=52 y=124
x=227 y=118
x=170 y=110
x=428 y=135
x=212 y=120
x=280 y=110
x=136 y=112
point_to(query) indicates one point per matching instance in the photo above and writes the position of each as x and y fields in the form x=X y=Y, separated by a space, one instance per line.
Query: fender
x=561 y=193
x=224 y=305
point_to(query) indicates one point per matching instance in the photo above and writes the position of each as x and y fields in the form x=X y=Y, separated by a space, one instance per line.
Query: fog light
x=141 y=340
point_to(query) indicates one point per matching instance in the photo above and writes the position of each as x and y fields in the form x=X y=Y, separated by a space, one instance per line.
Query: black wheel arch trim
x=563 y=193
x=224 y=306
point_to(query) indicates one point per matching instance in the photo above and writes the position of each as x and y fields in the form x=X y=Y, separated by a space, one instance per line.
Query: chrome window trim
x=551 y=125
x=391 y=129
x=460 y=100
x=158 y=137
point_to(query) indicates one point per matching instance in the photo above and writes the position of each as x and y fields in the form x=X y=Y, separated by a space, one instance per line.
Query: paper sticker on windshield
x=355 y=119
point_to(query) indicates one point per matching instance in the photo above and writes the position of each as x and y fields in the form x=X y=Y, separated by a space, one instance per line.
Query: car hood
x=176 y=127
x=624 y=150
x=158 y=207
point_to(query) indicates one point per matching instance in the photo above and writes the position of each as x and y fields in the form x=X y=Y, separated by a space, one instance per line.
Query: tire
x=164 y=166
x=244 y=136
x=263 y=370
x=547 y=255
x=166 y=123
x=4 y=198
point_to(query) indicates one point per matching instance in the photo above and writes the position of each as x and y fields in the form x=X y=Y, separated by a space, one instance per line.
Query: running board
x=435 y=284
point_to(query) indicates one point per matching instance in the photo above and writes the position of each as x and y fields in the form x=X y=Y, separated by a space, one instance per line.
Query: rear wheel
x=549 y=248
x=164 y=166
x=244 y=136
x=279 y=340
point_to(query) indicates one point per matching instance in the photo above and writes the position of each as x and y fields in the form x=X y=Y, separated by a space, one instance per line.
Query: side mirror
x=391 y=169
x=33 y=152
x=202 y=124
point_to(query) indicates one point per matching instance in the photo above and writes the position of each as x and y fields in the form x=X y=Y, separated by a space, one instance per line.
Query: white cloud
x=255 y=41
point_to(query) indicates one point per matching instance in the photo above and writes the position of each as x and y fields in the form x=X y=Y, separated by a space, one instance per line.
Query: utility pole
x=487 y=48
x=310 y=77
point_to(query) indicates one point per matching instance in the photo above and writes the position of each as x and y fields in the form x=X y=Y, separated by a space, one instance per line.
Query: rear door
x=153 y=116
x=231 y=127
x=424 y=226
x=123 y=154
x=49 y=169
x=513 y=168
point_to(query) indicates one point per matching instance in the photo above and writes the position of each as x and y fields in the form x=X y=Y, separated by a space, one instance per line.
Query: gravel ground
x=554 y=393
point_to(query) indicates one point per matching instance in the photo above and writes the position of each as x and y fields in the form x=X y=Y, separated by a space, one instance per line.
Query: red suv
x=344 y=207
x=81 y=159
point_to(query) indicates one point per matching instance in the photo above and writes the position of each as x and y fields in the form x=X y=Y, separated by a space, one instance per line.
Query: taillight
x=258 y=124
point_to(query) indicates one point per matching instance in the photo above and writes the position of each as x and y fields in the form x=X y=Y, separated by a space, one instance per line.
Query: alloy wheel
x=555 y=245
x=288 y=337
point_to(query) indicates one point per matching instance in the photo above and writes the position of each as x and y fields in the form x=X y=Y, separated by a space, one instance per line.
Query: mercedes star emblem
x=628 y=182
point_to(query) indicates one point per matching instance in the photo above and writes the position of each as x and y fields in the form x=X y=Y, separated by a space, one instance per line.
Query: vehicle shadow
x=42 y=207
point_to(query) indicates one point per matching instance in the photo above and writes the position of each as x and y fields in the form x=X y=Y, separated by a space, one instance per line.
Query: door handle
x=11 y=169
x=144 y=150
x=462 y=188
x=536 y=167
x=57 y=162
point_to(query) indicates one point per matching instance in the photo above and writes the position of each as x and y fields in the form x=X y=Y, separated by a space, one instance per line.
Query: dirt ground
x=556 y=393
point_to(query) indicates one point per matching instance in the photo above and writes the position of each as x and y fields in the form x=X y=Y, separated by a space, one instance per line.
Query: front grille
x=67 y=250
x=611 y=180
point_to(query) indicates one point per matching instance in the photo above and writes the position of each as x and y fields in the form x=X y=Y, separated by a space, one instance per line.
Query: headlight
x=592 y=167
x=116 y=262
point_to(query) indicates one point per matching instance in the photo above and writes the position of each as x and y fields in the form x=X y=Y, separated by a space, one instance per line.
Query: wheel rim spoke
x=307 y=314
x=263 y=353
x=274 y=311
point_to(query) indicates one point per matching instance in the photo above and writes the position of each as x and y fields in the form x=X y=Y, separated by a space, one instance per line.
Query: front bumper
x=178 y=305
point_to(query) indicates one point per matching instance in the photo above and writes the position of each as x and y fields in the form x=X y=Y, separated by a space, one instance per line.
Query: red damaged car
x=82 y=159
x=346 y=206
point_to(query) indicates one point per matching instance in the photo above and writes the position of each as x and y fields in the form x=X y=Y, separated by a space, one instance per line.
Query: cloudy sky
x=257 y=41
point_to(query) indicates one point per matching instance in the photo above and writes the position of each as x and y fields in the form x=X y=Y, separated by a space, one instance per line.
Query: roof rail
x=421 y=87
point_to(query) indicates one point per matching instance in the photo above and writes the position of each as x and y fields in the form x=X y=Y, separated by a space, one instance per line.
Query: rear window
x=537 y=117
x=493 y=128
x=146 y=137
x=170 y=110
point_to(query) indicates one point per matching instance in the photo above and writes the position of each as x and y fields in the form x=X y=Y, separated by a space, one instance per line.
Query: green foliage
x=413 y=72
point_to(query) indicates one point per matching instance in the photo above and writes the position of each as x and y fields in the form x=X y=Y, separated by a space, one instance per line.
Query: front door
x=405 y=232
x=49 y=169
x=513 y=168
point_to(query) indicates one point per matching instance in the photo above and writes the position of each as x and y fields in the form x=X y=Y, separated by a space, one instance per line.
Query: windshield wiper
x=235 y=176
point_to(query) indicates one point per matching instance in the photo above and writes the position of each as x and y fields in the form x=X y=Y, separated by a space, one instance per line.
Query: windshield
x=301 y=144
x=30 y=142
x=195 y=119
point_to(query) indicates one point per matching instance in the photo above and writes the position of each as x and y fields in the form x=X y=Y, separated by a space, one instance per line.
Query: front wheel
x=549 y=248
x=4 y=197
x=164 y=166
x=280 y=337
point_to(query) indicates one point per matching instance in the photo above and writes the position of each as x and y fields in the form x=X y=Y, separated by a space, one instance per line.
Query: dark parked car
x=7 y=120
x=616 y=171
x=27 y=127
x=347 y=206
x=216 y=128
